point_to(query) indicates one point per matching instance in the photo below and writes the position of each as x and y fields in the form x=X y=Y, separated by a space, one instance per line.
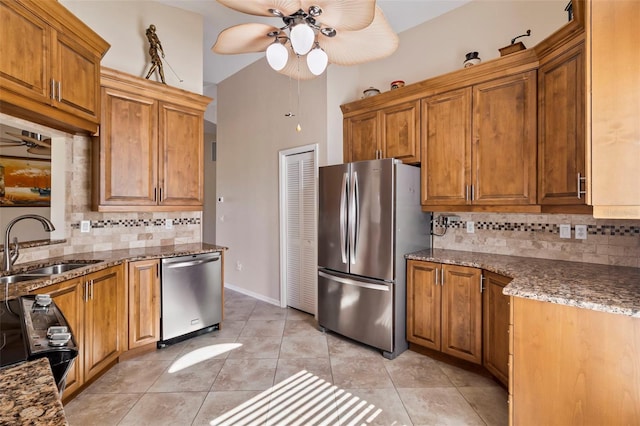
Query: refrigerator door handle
x=348 y=281
x=344 y=217
x=354 y=219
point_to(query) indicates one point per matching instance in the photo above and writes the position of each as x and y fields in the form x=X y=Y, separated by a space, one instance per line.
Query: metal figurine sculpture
x=154 y=47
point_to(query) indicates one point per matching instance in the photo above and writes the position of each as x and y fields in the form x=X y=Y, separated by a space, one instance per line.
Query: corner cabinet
x=144 y=302
x=495 y=327
x=390 y=132
x=49 y=66
x=613 y=129
x=444 y=309
x=150 y=153
x=561 y=126
x=480 y=144
x=94 y=306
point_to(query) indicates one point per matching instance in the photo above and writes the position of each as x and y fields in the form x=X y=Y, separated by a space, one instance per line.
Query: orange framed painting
x=25 y=182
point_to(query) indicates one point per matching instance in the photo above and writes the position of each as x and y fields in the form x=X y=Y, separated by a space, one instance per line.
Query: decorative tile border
x=614 y=230
x=133 y=223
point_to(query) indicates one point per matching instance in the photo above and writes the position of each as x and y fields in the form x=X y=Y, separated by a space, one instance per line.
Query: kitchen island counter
x=605 y=288
x=99 y=260
x=29 y=395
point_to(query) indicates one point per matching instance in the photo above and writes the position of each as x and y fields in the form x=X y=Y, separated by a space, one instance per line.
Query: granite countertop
x=38 y=403
x=613 y=289
x=96 y=261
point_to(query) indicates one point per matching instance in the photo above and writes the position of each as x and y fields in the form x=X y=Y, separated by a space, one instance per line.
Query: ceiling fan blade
x=345 y=15
x=261 y=7
x=296 y=67
x=39 y=150
x=9 y=143
x=244 y=38
x=356 y=47
x=41 y=142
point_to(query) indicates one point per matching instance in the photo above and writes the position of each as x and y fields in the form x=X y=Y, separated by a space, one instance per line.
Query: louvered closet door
x=301 y=269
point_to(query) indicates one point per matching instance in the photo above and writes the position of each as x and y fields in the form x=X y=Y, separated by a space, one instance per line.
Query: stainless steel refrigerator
x=369 y=218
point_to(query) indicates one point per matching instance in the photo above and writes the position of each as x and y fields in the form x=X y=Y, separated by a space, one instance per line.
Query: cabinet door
x=446 y=151
x=68 y=297
x=462 y=312
x=104 y=319
x=24 y=65
x=400 y=132
x=144 y=302
x=615 y=110
x=76 y=74
x=561 y=121
x=504 y=141
x=128 y=149
x=361 y=137
x=423 y=304
x=181 y=150
x=496 y=326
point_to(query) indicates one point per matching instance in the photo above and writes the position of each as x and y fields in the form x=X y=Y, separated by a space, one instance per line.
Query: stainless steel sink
x=11 y=279
x=58 y=268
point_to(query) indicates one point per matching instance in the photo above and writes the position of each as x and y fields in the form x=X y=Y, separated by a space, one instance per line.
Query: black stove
x=33 y=327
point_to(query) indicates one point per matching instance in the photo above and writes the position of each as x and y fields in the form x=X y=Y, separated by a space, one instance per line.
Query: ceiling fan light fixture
x=302 y=38
x=317 y=60
x=277 y=55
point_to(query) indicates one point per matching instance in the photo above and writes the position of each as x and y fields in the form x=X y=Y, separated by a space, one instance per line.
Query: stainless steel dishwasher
x=191 y=296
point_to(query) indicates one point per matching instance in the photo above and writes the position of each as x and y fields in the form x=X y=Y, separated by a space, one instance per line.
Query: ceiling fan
x=35 y=143
x=342 y=32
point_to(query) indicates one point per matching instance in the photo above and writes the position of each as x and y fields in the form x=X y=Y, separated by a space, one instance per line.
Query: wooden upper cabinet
x=479 y=145
x=400 y=132
x=446 y=148
x=390 y=132
x=150 y=154
x=504 y=141
x=561 y=126
x=49 y=66
x=128 y=152
x=361 y=137
x=614 y=83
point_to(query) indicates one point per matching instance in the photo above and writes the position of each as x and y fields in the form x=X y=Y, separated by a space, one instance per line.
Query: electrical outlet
x=85 y=225
x=581 y=232
x=168 y=224
x=471 y=227
x=238 y=266
x=565 y=231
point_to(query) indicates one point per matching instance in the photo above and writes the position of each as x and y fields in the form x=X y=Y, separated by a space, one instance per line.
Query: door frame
x=282 y=156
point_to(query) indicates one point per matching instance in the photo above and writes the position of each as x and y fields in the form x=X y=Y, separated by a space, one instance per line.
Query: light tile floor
x=272 y=366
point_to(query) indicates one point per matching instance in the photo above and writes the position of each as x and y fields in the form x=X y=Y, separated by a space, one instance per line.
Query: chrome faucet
x=10 y=256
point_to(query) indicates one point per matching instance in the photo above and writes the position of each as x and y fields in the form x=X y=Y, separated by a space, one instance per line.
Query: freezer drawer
x=356 y=308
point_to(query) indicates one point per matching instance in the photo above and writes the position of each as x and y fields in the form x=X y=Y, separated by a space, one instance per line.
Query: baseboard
x=252 y=294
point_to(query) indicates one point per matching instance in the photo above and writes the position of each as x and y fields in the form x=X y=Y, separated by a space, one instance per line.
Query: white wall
x=252 y=129
x=123 y=24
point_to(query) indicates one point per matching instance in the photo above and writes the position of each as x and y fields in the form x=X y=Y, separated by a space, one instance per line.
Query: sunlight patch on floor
x=201 y=354
x=302 y=399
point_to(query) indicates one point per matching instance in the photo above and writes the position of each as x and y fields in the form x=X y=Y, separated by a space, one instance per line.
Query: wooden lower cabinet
x=444 y=309
x=495 y=327
x=573 y=366
x=144 y=302
x=94 y=306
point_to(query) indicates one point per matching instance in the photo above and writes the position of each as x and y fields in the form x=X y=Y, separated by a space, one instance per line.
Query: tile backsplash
x=610 y=242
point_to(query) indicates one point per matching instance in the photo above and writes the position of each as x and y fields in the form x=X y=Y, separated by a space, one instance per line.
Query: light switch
x=471 y=227
x=168 y=224
x=581 y=232
x=565 y=231
x=85 y=225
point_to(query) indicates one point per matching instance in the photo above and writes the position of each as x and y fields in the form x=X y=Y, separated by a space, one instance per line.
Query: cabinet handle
x=580 y=180
x=442 y=277
x=155 y=194
x=436 y=276
x=59 y=91
x=160 y=197
x=53 y=89
x=91 y=289
x=85 y=295
x=466 y=192
x=481 y=283
x=473 y=193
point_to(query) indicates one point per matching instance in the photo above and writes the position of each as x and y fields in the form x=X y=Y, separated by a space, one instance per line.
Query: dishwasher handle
x=190 y=263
